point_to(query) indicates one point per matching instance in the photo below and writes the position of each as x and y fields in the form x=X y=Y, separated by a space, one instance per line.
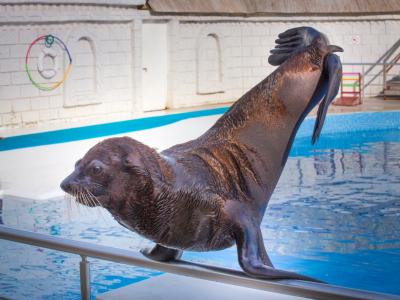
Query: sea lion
x=212 y=192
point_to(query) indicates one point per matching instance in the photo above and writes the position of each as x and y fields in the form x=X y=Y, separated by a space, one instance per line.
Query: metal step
x=392 y=92
x=174 y=287
x=393 y=85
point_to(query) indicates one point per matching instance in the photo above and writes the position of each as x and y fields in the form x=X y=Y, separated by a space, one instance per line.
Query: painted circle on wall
x=47 y=66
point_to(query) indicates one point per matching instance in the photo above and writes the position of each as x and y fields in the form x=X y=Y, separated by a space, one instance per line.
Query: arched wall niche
x=209 y=63
x=84 y=84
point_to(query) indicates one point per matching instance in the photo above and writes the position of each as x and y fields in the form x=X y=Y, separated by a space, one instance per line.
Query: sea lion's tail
x=291 y=41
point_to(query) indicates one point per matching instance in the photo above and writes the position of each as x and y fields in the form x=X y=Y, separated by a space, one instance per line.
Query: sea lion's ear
x=131 y=161
x=333 y=71
x=290 y=42
x=143 y=181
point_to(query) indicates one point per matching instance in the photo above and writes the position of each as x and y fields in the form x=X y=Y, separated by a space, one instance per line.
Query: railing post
x=84 y=269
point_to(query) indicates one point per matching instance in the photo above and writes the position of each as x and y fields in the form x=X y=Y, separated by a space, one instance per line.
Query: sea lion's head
x=112 y=172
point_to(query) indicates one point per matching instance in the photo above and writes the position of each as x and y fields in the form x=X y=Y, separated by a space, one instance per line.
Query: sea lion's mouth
x=88 y=194
x=84 y=196
x=85 y=202
x=81 y=194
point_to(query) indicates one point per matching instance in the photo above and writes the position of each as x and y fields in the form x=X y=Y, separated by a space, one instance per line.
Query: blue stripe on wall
x=93 y=131
x=334 y=123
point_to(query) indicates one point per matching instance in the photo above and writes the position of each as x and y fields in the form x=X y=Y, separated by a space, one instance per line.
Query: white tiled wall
x=100 y=84
x=246 y=44
x=211 y=59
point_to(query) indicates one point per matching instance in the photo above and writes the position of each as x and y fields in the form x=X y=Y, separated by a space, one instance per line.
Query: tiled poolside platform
x=173 y=287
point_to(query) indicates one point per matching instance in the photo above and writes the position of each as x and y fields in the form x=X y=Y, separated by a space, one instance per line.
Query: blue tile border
x=334 y=123
x=94 y=131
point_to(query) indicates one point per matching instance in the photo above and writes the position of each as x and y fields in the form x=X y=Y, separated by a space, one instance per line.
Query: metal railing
x=372 y=71
x=218 y=274
x=369 y=78
x=382 y=61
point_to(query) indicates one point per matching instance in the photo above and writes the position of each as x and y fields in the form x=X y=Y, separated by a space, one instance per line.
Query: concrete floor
x=369 y=104
x=173 y=287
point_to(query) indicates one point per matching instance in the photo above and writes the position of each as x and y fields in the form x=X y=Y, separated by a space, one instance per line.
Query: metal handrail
x=364 y=73
x=223 y=275
x=383 y=60
x=392 y=63
x=383 y=57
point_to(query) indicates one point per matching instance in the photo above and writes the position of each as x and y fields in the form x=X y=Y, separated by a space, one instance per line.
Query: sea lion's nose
x=65 y=185
x=68 y=184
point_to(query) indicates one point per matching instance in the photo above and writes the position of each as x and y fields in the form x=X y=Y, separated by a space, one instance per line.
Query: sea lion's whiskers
x=67 y=203
x=96 y=201
x=83 y=199
x=74 y=201
x=92 y=198
x=85 y=196
x=75 y=195
x=89 y=199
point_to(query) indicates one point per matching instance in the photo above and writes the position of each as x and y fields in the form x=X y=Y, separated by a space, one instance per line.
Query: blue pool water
x=335 y=216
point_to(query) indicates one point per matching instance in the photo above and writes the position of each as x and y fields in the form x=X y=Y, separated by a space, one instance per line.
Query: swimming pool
x=335 y=215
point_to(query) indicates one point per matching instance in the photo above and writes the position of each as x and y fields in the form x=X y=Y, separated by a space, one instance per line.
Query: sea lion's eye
x=96 y=170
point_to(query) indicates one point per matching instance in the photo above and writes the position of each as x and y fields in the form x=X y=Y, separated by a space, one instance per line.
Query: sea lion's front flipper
x=250 y=254
x=161 y=253
x=333 y=73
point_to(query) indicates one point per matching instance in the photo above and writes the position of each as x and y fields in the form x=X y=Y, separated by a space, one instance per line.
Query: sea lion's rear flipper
x=161 y=253
x=290 y=42
x=333 y=74
x=252 y=255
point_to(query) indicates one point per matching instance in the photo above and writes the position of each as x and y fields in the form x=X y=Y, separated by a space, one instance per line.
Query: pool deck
x=368 y=105
x=174 y=287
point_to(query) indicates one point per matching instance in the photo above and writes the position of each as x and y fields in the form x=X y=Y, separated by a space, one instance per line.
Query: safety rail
x=368 y=78
x=218 y=274
x=382 y=61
